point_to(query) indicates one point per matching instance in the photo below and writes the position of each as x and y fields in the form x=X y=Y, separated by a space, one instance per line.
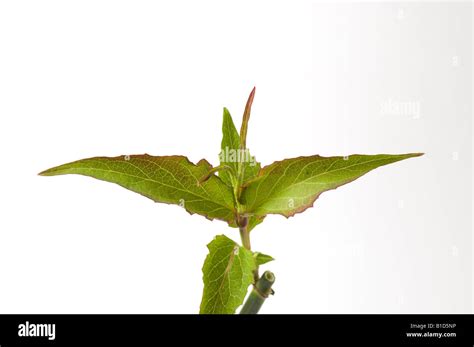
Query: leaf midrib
x=225 y=276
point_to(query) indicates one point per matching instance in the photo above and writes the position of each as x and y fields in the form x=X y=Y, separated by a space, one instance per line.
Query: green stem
x=245 y=237
x=242 y=221
x=244 y=233
x=261 y=290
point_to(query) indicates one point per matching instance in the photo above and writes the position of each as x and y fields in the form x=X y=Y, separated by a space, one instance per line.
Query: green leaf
x=261 y=258
x=168 y=179
x=292 y=185
x=254 y=221
x=227 y=274
x=231 y=153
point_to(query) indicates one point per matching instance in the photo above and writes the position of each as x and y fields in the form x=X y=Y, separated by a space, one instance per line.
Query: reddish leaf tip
x=252 y=94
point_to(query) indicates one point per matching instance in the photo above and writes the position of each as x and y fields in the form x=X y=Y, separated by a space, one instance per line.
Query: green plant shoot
x=238 y=192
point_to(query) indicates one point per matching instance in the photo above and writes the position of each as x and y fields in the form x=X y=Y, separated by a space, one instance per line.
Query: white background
x=81 y=79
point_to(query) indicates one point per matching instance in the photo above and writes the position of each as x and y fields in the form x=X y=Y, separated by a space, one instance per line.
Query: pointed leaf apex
x=245 y=120
x=292 y=185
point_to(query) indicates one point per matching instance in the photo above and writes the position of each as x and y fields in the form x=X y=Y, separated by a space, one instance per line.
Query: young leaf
x=168 y=179
x=254 y=221
x=230 y=140
x=245 y=119
x=227 y=273
x=292 y=185
x=261 y=258
x=231 y=152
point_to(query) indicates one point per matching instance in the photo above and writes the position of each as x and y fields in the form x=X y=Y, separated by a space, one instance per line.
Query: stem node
x=261 y=290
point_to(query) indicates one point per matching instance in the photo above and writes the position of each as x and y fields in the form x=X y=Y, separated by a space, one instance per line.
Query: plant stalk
x=245 y=236
x=261 y=290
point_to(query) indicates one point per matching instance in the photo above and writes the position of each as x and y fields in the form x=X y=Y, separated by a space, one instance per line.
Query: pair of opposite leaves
x=285 y=187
